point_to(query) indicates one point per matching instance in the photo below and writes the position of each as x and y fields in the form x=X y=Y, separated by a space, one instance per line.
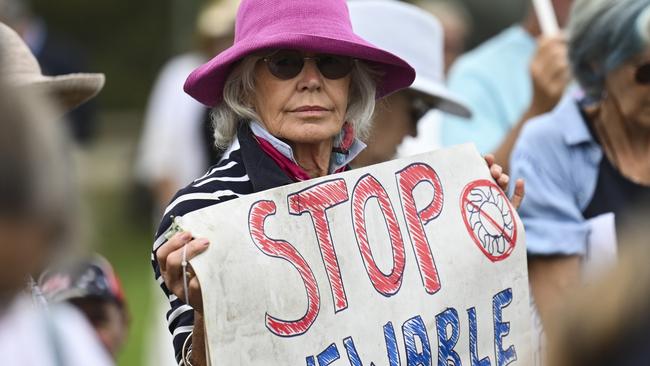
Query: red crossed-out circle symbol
x=489 y=219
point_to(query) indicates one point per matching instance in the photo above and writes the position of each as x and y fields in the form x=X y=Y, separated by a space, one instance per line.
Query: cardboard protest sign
x=419 y=261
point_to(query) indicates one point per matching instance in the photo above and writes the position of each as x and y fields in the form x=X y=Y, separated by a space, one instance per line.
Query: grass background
x=121 y=225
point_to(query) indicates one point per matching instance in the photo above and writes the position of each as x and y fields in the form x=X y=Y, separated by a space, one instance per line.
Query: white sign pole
x=546 y=17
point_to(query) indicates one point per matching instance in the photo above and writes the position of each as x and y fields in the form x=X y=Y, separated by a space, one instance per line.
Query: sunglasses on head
x=287 y=64
x=642 y=74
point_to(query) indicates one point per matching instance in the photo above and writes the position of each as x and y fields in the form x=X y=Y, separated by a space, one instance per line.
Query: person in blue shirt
x=506 y=81
x=588 y=160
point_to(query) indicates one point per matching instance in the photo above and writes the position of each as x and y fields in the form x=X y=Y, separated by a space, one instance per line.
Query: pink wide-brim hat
x=321 y=26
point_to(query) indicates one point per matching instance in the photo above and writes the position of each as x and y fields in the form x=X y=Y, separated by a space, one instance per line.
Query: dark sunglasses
x=642 y=74
x=287 y=64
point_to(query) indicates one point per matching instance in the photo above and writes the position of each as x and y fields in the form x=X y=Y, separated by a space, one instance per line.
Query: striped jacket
x=244 y=169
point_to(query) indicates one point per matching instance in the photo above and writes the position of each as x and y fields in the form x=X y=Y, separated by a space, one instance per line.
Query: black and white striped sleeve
x=224 y=181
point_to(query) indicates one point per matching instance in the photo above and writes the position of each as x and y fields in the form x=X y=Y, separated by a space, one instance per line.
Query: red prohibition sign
x=489 y=219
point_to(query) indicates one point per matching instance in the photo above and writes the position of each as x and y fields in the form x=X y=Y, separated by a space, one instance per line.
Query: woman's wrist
x=186 y=350
x=198 y=354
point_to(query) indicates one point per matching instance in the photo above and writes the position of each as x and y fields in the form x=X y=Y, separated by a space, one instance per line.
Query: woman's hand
x=170 y=258
x=503 y=179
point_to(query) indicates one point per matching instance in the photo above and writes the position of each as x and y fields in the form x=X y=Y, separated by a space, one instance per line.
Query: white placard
x=417 y=261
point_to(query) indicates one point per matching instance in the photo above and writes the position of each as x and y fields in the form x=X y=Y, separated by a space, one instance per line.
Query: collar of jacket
x=263 y=172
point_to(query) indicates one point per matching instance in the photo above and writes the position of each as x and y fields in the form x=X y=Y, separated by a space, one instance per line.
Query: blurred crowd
x=567 y=112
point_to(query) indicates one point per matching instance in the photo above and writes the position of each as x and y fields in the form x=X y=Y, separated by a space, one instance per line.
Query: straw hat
x=218 y=18
x=414 y=35
x=20 y=68
x=312 y=25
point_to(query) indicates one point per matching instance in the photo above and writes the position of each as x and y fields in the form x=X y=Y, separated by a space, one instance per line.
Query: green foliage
x=126 y=40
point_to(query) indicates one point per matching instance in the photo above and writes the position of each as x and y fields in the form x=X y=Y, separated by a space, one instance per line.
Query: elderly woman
x=590 y=157
x=291 y=99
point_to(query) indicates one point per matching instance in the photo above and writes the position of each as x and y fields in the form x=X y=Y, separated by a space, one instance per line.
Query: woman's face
x=392 y=122
x=632 y=97
x=114 y=331
x=307 y=109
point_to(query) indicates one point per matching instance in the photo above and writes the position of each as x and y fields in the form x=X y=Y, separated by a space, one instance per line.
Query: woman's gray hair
x=603 y=35
x=239 y=90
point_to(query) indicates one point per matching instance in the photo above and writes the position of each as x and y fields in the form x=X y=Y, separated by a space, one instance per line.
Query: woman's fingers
x=496 y=171
x=489 y=159
x=176 y=241
x=173 y=275
x=175 y=259
x=503 y=181
x=519 y=193
x=501 y=178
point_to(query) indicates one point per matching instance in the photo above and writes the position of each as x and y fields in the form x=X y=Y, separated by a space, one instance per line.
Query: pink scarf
x=295 y=171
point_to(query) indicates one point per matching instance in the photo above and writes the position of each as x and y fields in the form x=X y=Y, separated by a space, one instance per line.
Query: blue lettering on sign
x=328 y=356
x=411 y=329
x=446 y=343
x=391 y=345
x=418 y=345
x=502 y=329
x=353 y=355
x=310 y=361
x=473 y=340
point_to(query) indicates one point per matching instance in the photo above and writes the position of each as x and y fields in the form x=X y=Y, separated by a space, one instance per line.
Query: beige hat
x=218 y=18
x=20 y=68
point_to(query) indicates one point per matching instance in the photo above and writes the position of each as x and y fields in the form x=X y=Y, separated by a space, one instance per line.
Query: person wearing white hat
x=507 y=80
x=417 y=37
x=21 y=69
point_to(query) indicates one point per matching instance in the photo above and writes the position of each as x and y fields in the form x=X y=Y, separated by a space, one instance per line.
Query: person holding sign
x=517 y=75
x=292 y=97
x=586 y=162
